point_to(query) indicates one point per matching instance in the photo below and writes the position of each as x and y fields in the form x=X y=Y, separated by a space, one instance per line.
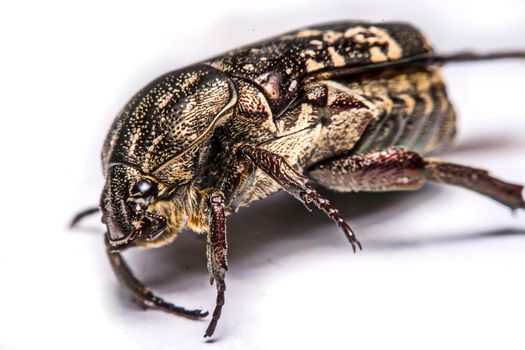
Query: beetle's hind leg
x=477 y=180
x=140 y=293
x=396 y=169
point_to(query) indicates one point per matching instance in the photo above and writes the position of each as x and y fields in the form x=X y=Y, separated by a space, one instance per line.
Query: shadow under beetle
x=351 y=106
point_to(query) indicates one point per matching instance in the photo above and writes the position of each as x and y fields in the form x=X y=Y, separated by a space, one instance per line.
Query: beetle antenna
x=79 y=216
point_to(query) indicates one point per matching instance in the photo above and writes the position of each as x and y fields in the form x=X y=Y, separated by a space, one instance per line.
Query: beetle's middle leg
x=396 y=169
x=140 y=293
x=294 y=183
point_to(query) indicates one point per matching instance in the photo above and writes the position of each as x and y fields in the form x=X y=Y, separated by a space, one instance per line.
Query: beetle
x=350 y=106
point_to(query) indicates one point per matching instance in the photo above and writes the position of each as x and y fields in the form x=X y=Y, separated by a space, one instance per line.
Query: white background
x=441 y=268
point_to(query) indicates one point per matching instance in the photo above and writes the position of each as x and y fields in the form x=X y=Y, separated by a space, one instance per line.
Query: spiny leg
x=294 y=183
x=397 y=169
x=217 y=254
x=81 y=215
x=140 y=293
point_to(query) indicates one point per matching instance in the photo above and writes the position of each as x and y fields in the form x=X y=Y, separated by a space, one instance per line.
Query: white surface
x=433 y=274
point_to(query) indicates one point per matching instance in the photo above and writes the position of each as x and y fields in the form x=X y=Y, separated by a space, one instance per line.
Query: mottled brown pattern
x=166 y=117
x=352 y=105
x=291 y=57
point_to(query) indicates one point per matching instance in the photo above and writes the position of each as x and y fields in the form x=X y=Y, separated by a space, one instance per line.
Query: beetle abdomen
x=415 y=112
x=405 y=108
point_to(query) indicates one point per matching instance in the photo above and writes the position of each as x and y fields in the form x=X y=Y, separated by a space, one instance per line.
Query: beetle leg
x=396 y=169
x=216 y=252
x=388 y=170
x=477 y=180
x=140 y=293
x=235 y=179
x=294 y=183
x=81 y=215
x=473 y=56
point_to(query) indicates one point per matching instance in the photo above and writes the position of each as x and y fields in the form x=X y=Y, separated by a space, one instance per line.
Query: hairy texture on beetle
x=352 y=105
x=179 y=211
x=262 y=187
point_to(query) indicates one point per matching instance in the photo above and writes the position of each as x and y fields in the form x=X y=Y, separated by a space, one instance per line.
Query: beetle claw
x=180 y=311
x=350 y=236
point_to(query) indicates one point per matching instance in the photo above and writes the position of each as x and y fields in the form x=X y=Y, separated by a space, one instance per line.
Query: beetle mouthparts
x=155 y=226
x=117 y=238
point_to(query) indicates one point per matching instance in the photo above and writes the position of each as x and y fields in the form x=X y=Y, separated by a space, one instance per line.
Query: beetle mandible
x=351 y=106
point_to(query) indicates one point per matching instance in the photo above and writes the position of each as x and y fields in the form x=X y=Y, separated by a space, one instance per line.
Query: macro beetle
x=351 y=106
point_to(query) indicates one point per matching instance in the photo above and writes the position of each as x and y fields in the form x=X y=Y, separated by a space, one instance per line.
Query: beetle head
x=125 y=201
x=151 y=154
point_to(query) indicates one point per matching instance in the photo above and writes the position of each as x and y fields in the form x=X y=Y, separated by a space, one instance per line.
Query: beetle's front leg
x=142 y=294
x=294 y=183
x=216 y=252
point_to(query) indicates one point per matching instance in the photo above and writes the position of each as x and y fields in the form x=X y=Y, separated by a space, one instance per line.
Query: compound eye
x=144 y=189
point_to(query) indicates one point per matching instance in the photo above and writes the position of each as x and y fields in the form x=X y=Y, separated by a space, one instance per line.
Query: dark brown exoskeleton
x=350 y=106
